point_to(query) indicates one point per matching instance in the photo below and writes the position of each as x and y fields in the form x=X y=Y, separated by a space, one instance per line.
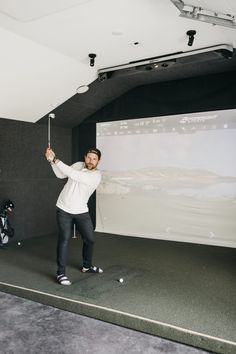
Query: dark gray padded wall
x=27 y=178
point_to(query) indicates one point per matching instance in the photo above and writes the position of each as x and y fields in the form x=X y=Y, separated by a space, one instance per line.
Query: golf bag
x=6 y=231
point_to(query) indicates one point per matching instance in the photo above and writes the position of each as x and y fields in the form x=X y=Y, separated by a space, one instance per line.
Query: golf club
x=51 y=115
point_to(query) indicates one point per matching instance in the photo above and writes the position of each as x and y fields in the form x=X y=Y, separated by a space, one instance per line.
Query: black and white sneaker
x=63 y=280
x=92 y=269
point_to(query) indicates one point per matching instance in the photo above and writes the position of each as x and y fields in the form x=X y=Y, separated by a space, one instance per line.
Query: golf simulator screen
x=169 y=178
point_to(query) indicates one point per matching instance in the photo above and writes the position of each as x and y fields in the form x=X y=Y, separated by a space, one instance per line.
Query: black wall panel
x=27 y=178
x=212 y=92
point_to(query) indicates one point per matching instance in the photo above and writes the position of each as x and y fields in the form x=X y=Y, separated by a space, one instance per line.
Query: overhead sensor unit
x=214 y=17
x=221 y=51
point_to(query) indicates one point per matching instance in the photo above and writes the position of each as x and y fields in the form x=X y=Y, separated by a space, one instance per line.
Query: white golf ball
x=18 y=243
x=121 y=280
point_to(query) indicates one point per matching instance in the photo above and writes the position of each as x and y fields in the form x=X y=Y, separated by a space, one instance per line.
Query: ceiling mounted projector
x=215 y=17
x=221 y=51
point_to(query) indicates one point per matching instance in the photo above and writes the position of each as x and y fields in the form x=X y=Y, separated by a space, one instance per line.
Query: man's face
x=91 y=161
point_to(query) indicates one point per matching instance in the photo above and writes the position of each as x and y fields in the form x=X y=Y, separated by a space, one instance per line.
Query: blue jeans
x=84 y=225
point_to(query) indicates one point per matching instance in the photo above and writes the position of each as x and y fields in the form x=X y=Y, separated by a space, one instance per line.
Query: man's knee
x=89 y=238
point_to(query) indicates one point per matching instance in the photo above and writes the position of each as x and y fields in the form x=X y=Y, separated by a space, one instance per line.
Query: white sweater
x=80 y=185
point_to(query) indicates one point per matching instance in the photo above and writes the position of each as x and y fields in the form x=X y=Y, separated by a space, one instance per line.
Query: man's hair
x=94 y=151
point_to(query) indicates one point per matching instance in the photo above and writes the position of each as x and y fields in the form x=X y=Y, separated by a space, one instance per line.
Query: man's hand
x=50 y=155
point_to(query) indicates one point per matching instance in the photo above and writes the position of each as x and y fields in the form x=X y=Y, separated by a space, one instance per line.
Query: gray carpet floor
x=27 y=327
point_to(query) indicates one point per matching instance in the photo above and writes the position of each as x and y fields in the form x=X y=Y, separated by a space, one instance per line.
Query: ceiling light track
x=221 y=51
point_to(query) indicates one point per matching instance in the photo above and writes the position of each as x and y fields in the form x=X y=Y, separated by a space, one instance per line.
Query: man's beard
x=90 y=166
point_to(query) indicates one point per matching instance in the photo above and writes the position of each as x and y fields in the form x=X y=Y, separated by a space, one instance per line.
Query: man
x=83 y=179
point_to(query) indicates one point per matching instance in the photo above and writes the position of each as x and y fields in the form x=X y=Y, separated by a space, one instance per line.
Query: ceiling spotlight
x=191 y=34
x=92 y=57
x=82 y=89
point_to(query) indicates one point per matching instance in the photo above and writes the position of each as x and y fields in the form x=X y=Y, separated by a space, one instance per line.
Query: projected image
x=171 y=177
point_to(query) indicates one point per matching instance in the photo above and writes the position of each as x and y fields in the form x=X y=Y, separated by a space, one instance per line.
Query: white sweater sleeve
x=90 y=178
x=58 y=172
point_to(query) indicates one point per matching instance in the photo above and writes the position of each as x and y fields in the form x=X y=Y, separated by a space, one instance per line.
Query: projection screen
x=169 y=177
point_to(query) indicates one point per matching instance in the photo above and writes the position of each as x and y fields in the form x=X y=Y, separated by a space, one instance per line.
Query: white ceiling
x=45 y=44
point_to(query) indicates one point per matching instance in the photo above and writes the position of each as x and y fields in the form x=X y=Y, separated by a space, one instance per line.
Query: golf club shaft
x=51 y=115
x=49 y=134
